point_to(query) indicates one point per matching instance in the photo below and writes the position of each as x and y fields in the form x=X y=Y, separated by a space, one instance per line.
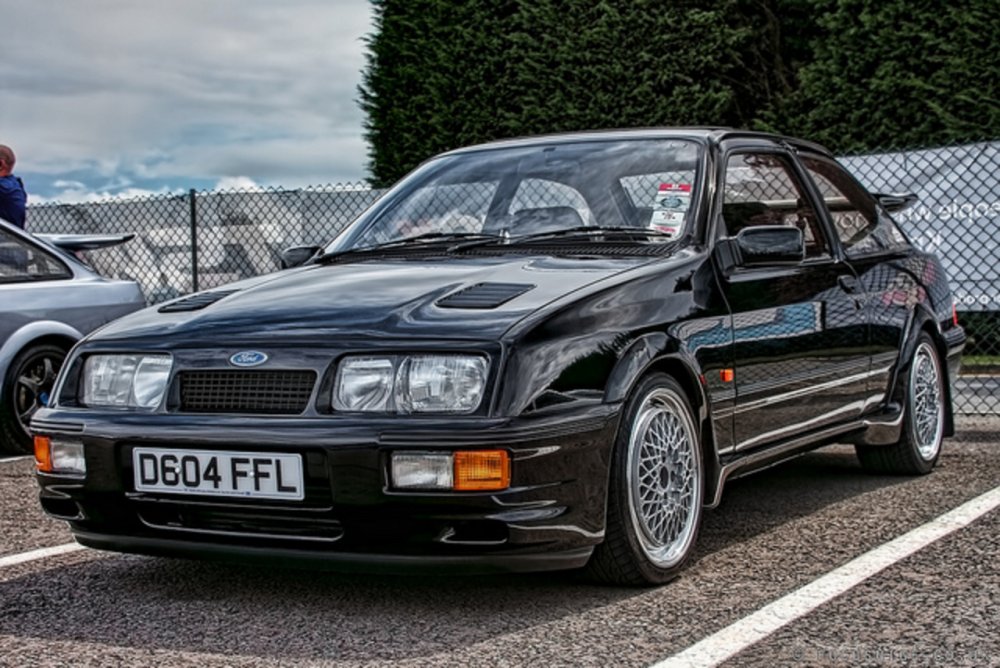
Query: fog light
x=478 y=470
x=421 y=470
x=43 y=454
x=67 y=457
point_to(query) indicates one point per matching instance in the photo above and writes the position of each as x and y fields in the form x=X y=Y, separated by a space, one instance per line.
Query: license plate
x=257 y=475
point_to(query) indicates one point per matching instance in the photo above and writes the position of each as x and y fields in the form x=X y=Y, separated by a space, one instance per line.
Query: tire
x=29 y=380
x=919 y=445
x=648 y=543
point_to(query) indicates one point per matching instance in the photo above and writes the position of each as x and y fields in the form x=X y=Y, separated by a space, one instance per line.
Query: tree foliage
x=447 y=73
x=897 y=74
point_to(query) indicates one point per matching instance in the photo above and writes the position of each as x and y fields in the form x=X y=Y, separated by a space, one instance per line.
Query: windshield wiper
x=419 y=240
x=590 y=231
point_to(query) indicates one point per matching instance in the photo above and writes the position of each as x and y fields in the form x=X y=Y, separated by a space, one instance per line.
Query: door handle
x=849 y=284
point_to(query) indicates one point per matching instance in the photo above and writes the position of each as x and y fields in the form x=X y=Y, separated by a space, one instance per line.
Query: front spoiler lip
x=345 y=562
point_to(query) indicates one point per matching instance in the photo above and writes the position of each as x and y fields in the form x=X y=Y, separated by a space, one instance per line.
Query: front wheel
x=919 y=445
x=27 y=386
x=656 y=491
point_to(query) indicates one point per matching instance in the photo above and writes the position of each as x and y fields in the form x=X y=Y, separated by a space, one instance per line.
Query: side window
x=23 y=262
x=761 y=189
x=861 y=225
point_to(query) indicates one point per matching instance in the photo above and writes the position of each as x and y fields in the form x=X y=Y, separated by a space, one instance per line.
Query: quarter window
x=23 y=262
x=861 y=225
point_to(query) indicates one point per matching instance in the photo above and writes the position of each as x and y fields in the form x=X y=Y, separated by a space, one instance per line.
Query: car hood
x=456 y=298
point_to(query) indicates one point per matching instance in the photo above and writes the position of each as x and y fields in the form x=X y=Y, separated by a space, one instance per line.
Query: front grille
x=259 y=392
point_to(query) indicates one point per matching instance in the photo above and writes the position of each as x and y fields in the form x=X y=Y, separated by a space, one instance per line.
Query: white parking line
x=43 y=553
x=16 y=459
x=726 y=643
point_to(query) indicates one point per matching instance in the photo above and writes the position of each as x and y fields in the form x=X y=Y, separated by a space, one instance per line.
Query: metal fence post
x=194 y=240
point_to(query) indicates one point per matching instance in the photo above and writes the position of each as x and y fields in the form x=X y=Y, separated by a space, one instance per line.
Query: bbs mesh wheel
x=656 y=489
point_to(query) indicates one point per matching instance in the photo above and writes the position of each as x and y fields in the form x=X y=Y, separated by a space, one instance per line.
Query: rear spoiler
x=893 y=202
x=85 y=242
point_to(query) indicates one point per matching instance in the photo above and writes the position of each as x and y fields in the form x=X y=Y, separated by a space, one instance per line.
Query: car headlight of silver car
x=125 y=381
x=410 y=383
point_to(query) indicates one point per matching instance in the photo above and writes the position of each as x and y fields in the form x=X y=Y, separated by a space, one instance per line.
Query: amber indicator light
x=726 y=375
x=43 y=453
x=479 y=470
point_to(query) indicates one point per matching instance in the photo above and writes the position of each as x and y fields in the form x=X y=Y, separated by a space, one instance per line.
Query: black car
x=547 y=353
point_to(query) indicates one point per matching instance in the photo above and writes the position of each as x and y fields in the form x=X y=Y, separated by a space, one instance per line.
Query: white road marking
x=16 y=459
x=44 y=553
x=730 y=641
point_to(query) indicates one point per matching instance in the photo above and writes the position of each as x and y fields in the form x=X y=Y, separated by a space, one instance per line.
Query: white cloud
x=82 y=195
x=243 y=183
x=185 y=89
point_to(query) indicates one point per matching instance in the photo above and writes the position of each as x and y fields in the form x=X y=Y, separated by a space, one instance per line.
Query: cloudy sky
x=119 y=97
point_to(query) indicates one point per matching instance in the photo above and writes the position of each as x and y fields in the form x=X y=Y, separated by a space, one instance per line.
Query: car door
x=800 y=358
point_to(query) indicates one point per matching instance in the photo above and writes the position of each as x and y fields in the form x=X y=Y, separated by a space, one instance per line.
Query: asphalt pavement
x=775 y=534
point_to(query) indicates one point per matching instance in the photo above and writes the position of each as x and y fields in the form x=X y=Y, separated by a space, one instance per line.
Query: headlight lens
x=364 y=384
x=411 y=383
x=440 y=383
x=125 y=381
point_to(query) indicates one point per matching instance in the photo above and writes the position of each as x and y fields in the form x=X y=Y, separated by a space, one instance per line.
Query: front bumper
x=550 y=518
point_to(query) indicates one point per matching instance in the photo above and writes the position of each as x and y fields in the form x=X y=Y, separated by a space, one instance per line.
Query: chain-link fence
x=957 y=216
x=200 y=240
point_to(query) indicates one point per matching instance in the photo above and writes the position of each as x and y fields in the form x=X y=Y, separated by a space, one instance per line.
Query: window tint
x=21 y=262
x=860 y=223
x=761 y=189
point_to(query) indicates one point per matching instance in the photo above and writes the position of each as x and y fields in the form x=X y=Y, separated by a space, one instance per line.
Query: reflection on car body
x=516 y=360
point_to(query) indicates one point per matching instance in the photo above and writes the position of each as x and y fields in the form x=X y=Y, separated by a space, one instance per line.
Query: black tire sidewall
x=12 y=437
x=619 y=511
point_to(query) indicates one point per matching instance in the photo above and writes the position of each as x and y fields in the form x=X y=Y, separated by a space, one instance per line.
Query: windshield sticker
x=670 y=208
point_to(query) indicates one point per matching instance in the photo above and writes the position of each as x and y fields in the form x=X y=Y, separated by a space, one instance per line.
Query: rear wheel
x=919 y=445
x=656 y=490
x=27 y=386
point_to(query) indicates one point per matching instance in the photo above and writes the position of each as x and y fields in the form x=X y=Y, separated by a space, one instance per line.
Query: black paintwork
x=816 y=346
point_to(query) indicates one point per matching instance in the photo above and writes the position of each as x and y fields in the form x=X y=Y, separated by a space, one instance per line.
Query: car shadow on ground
x=253 y=611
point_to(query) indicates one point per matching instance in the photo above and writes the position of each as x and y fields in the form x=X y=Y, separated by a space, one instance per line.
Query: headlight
x=125 y=381
x=411 y=384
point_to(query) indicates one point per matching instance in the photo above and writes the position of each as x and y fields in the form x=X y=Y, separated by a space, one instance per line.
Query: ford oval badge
x=248 y=358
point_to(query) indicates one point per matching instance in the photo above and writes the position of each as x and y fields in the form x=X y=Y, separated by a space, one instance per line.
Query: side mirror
x=297 y=256
x=893 y=202
x=770 y=244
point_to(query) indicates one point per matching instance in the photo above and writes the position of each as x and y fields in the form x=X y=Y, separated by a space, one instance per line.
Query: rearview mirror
x=297 y=256
x=770 y=244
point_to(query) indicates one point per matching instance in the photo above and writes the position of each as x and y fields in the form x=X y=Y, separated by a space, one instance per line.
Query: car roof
x=709 y=134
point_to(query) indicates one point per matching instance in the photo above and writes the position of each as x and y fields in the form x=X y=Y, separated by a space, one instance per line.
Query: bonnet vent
x=484 y=295
x=195 y=302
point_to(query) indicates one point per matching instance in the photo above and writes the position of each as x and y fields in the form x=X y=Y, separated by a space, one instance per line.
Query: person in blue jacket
x=12 y=195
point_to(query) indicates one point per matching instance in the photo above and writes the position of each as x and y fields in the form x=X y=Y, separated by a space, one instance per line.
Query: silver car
x=49 y=299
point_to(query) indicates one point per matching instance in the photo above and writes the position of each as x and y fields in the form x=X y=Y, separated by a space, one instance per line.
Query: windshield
x=645 y=184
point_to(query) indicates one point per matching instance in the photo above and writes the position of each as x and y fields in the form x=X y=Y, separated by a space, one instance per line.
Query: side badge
x=248 y=358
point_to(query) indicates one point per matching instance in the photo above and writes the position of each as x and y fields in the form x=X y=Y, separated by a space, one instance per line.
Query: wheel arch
x=36 y=333
x=652 y=353
x=923 y=322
